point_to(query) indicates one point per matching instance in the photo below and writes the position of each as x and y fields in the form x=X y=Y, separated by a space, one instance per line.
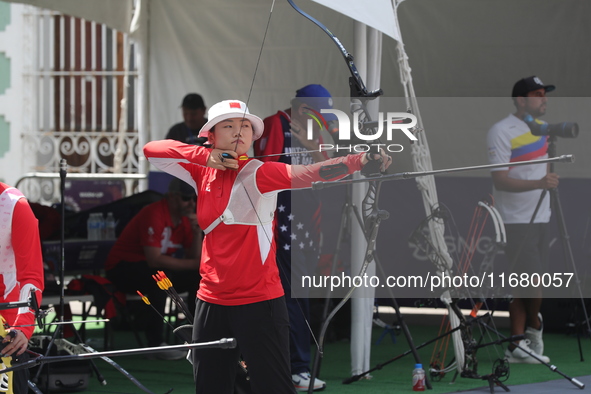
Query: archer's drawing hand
x=222 y=162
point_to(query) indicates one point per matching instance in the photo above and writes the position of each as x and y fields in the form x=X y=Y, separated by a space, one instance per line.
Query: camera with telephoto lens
x=562 y=129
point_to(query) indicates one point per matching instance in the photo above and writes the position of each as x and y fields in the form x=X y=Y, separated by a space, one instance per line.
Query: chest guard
x=247 y=205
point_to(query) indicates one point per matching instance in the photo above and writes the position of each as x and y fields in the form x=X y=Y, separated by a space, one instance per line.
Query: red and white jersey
x=152 y=226
x=235 y=269
x=21 y=262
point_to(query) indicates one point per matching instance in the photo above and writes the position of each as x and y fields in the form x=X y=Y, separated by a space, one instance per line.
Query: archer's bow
x=356 y=84
x=371 y=215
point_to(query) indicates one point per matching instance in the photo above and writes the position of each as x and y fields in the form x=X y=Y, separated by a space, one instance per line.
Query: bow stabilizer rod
x=408 y=175
x=224 y=343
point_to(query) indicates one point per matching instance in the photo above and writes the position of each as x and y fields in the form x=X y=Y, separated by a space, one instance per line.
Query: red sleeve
x=29 y=261
x=177 y=158
x=281 y=176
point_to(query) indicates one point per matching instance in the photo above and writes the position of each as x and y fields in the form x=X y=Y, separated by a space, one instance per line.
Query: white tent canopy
x=457 y=48
x=377 y=14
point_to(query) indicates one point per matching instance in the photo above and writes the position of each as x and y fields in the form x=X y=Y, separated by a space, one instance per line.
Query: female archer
x=240 y=293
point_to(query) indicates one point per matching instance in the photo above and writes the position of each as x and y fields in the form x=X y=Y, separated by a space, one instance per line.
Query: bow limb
x=357 y=85
x=372 y=218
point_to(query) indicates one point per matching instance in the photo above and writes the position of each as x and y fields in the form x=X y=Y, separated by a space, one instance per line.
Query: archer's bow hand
x=375 y=164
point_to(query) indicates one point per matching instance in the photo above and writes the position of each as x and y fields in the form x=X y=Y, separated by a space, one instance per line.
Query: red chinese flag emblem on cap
x=235 y=105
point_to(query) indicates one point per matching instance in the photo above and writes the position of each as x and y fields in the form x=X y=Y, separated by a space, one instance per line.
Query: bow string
x=358 y=90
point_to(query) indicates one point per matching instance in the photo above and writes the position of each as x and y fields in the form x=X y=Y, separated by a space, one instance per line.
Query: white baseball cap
x=229 y=109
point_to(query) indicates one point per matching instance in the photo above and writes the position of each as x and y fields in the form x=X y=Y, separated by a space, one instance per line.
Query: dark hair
x=180 y=187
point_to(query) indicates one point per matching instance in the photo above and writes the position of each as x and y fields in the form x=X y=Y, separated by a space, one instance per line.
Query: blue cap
x=318 y=98
x=417 y=366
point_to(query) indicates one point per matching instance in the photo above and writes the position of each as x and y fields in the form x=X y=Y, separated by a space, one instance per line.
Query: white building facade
x=68 y=89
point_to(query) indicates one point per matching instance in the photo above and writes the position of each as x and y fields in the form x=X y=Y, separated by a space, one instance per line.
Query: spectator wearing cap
x=162 y=236
x=194 y=111
x=298 y=225
x=516 y=193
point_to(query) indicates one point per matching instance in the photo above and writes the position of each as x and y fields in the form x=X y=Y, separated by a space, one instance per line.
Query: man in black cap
x=194 y=111
x=517 y=191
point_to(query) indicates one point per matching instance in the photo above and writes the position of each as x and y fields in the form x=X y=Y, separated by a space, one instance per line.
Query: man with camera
x=517 y=192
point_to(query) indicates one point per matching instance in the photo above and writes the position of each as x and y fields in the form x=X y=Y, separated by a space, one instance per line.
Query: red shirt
x=152 y=226
x=231 y=268
x=26 y=267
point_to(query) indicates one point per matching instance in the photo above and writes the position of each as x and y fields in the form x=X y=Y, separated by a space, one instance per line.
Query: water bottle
x=92 y=227
x=97 y=227
x=110 y=226
x=89 y=227
x=101 y=227
x=418 y=378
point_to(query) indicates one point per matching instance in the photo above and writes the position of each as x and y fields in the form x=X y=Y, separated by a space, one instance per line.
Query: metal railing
x=76 y=75
x=44 y=187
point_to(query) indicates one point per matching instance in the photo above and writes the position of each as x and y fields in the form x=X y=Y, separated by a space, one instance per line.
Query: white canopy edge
x=378 y=14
